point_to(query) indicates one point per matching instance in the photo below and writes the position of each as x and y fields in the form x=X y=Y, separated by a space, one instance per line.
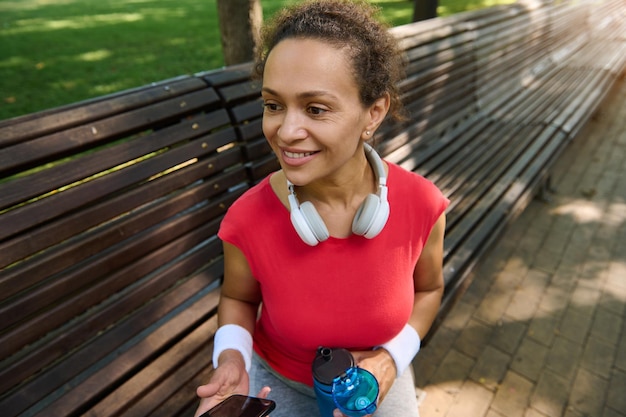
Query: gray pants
x=295 y=399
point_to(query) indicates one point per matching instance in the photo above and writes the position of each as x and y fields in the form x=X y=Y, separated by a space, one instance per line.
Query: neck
x=341 y=190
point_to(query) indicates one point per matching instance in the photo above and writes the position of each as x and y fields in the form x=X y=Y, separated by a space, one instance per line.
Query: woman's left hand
x=380 y=363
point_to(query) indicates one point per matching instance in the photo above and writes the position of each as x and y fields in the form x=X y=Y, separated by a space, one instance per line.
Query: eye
x=271 y=107
x=316 y=111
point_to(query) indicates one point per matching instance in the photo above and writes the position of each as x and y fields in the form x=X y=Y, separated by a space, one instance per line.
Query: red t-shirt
x=354 y=292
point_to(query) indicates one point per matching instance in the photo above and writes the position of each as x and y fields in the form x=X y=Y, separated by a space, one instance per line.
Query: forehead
x=296 y=65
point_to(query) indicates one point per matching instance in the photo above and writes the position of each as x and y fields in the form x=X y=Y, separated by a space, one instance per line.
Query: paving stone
x=546 y=261
x=559 y=235
x=575 y=324
x=493 y=306
x=530 y=359
x=616 y=397
x=453 y=370
x=513 y=395
x=530 y=412
x=620 y=358
x=543 y=327
x=493 y=413
x=554 y=299
x=587 y=394
x=474 y=338
x=490 y=368
x=571 y=412
x=430 y=356
x=613 y=299
x=476 y=292
x=563 y=357
x=473 y=400
x=609 y=412
x=586 y=293
x=598 y=357
x=460 y=315
x=508 y=334
x=437 y=402
x=522 y=306
x=551 y=394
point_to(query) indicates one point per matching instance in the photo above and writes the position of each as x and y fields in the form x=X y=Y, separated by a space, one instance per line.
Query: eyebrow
x=305 y=94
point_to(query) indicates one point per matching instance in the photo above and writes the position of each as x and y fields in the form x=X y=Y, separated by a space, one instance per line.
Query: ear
x=375 y=115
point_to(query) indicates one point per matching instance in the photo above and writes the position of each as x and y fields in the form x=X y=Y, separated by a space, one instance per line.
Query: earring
x=368 y=132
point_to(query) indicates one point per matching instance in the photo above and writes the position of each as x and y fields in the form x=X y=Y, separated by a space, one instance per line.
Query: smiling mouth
x=298 y=154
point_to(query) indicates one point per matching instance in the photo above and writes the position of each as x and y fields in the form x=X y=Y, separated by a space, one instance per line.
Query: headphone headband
x=370 y=217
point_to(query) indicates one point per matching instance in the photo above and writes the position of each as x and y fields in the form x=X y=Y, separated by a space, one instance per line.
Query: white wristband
x=233 y=336
x=403 y=348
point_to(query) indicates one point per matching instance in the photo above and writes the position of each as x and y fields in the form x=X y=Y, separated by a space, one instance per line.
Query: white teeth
x=297 y=154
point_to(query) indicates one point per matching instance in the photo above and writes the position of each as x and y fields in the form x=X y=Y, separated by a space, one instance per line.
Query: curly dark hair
x=352 y=24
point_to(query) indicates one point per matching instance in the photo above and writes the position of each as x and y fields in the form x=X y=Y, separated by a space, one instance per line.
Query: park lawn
x=56 y=52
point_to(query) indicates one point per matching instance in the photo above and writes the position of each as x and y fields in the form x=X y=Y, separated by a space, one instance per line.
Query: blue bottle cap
x=355 y=392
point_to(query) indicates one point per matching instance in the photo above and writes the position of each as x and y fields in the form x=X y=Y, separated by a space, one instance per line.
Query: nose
x=292 y=126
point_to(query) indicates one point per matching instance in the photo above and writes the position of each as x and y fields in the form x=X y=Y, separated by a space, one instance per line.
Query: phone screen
x=241 y=406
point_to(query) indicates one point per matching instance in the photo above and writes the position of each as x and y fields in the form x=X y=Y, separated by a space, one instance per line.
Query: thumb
x=208 y=390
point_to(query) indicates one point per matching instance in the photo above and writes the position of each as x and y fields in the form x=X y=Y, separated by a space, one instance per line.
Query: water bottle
x=339 y=384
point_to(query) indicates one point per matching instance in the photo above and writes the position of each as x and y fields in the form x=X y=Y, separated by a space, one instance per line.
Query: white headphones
x=369 y=220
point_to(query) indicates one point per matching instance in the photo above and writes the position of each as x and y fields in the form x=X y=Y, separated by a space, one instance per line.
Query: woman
x=341 y=251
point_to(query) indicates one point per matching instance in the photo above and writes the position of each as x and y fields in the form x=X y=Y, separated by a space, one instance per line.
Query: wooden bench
x=109 y=262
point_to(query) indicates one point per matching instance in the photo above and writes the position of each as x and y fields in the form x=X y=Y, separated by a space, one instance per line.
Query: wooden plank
x=87 y=165
x=150 y=388
x=128 y=269
x=85 y=193
x=38 y=239
x=120 y=232
x=240 y=93
x=43 y=123
x=228 y=75
x=90 y=390
x=54 y=146
x=32 y=391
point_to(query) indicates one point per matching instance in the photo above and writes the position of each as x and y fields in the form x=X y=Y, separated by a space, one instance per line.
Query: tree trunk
x=240 y=22
x=424 y=9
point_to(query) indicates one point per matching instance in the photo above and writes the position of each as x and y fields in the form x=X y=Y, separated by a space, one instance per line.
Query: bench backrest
x=104 y=207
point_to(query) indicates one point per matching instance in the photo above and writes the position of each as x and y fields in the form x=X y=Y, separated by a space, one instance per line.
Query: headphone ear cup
x=314 y=221
x=379 y=220
x=366 y=215
x=302 y=228
x=309 y=225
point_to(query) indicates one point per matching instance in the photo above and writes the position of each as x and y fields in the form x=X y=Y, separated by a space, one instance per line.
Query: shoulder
x=254 y=200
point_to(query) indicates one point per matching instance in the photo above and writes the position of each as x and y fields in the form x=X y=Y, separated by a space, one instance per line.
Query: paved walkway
x=541 y=331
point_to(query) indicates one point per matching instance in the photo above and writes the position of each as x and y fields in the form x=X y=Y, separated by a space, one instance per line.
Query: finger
x=264 y=392
x=337 y=413
x=208 y=390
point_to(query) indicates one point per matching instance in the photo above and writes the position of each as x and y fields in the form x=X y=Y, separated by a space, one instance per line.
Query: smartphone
x=241 y=406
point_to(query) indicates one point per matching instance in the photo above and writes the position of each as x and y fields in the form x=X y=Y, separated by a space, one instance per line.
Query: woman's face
x=313 y=118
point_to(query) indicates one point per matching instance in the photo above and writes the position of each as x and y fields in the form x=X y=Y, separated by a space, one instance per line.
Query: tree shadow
x=541 y=323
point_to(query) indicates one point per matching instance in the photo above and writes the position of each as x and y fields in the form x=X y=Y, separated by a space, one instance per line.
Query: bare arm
x=241 y=294
x=239 y=302
x=428 y=278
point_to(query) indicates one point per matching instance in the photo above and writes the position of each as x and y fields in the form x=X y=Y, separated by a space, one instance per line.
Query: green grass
x=55 y=52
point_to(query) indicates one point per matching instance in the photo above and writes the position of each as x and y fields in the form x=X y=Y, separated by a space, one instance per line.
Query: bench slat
x=56 y=145
x=115 y=338
x=23 y=128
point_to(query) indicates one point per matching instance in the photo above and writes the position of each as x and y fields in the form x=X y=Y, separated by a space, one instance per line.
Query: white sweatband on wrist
x=233 y=336
x=403 y=348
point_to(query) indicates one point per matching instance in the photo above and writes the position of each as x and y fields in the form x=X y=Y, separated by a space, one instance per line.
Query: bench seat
x=110 y=267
